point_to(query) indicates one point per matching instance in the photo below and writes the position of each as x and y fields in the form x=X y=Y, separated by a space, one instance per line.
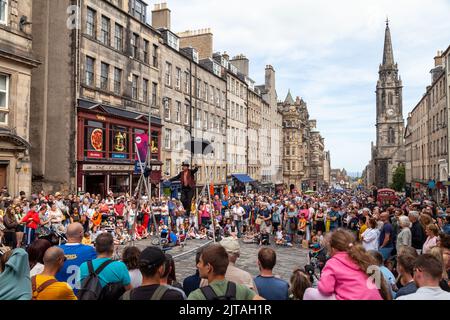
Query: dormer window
x=216 y=69
x=138 y=9
x=195 y=56
x=173 y=41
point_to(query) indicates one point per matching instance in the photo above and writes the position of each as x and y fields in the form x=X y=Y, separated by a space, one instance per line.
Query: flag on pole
x=141 y=141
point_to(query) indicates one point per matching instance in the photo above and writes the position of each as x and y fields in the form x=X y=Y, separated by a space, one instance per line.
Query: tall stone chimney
x=241 y=63
x=161 y=16
x=438 y=60
x=438 y=67
x=201 y=40
x=270 y=85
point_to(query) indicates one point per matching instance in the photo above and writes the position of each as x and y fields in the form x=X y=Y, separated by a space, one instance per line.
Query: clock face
x=390 y=112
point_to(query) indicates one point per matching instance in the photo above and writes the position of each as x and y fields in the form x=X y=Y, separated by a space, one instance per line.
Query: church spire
x=289 y=100
x=388 y=54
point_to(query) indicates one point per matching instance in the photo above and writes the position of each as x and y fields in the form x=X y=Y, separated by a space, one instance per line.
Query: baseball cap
x=151 y=257
x=231 y=245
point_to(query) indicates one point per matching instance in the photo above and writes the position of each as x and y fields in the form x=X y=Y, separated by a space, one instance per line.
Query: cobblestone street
x=288 y=259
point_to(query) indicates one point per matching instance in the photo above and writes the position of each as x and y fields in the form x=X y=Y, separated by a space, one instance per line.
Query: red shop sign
x=92 y=154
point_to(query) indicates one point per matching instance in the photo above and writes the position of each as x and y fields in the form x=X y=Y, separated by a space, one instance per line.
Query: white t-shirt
x=37 y=269
x=370 y=239
x=164 y=210
x=131 y=215
x=238 y=213
x=279 y=235
x=90 y=213
x=136 y=278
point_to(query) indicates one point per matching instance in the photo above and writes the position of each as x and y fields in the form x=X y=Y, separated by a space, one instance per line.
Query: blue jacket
x=446 y=228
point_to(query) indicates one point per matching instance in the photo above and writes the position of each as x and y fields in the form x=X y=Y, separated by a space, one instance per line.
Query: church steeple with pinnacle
x=389 y=150
x=289 y=100
x=388 y=54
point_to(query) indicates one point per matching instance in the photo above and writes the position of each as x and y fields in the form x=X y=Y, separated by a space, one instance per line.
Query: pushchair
x=317 y=259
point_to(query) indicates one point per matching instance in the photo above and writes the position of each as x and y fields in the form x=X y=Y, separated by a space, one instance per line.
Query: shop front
x=107 y=152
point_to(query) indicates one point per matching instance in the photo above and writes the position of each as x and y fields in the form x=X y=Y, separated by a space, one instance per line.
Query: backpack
x=157 y=295
x=42 y=287
x=91 y=289
x=230 y=294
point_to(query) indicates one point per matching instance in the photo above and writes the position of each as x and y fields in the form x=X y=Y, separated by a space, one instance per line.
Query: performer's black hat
x=186 y=164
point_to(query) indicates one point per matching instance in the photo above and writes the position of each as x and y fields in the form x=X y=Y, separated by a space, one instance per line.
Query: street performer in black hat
x=187 y=179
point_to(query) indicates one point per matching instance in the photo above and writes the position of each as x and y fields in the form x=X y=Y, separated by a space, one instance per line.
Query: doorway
x=96 y=185
x=3 y=175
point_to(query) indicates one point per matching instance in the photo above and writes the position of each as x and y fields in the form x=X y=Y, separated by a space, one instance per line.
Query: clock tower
x=389 y=152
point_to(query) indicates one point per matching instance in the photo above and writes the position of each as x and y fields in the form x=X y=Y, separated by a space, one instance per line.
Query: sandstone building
x=426 y=137
x=16 y=64
x=304 y=148
x=95 y=92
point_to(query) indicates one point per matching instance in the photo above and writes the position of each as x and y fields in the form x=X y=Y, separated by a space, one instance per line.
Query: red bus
x=386 y=197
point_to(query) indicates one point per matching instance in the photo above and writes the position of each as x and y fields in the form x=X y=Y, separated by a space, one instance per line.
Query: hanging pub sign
x=141 y=142
x=96 y=146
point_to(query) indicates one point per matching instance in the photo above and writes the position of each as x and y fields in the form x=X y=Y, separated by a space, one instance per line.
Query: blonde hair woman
x=432 y=232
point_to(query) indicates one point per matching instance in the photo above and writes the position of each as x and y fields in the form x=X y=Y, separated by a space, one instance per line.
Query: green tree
x=399 y=179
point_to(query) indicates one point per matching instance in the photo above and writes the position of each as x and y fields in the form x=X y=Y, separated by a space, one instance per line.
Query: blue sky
x=328 y=53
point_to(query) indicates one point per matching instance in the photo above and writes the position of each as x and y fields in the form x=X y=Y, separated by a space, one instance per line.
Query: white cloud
x=328 y=52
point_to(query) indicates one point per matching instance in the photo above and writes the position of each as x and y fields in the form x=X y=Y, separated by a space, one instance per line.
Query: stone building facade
x=17 y=61
x=304 y=147
x=327 y=168
x=340 y=178
x=193 y=105
x=294 y=155
x=237 y=97
x=426 y=137
x=96 y=91
x=271 y=136
x=255 y=106
x=389 y=151
x=446 y=62
x=316 y=157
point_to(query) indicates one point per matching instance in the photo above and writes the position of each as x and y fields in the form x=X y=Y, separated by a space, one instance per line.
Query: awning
x=243 y=178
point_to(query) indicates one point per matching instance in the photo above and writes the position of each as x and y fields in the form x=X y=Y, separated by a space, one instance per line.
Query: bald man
x=45 y=286
x=386 y=239
x=75 y=253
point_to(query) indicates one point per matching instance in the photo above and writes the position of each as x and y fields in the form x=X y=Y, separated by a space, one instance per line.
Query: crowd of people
x=53 y=245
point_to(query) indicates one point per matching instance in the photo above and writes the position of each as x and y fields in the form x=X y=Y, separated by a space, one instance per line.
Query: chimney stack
x=438 y=67
x=242 y=63
x=201 y=40
x=161 y=16
x=438 y=60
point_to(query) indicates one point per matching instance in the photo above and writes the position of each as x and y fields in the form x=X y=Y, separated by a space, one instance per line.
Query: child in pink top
x=345 y=273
